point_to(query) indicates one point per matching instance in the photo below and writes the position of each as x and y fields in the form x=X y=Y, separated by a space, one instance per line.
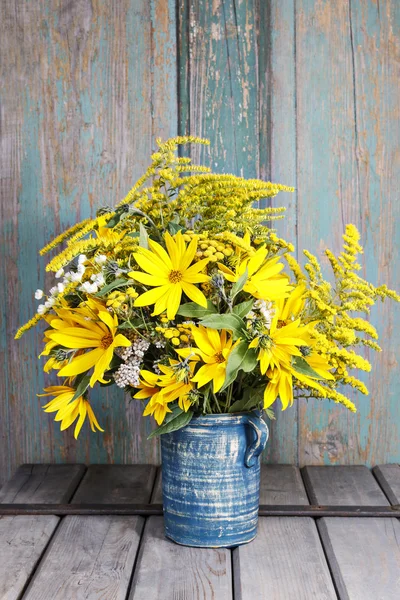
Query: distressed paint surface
x=88 y=86
x=348 y=132
x=211 y=480
x=304 y=92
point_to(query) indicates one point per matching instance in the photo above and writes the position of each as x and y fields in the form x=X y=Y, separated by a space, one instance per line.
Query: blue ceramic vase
x=211 y=480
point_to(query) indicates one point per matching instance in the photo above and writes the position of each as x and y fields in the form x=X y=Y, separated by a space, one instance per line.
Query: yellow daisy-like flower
x=277 y=346
x=67 y=411
x=170 y=273
x=177 y=383
x=281 y=384
x=213 y=348
x=264 y=280
x=148 y=388
x=291 y=306
x=99 y=335
x=173 y=384
x=147 y=385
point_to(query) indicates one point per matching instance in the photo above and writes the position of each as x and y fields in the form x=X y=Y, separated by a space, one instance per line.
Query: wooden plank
x=282 y=484
x=116 y=484
x=218 y=81
x=327 y=185
x=42 y=484
x=203 y=574
x=90 y=85
x=277 y=101
x=207 y=573
x=284 y=545
x=375 y=30
x=23 y=539
x=343 y=485
x=97 y=554
x=347 y=158
x=388 y=477
x=363 y=554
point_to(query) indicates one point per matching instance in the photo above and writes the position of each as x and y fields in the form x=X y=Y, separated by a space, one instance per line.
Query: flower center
x=175 y=276
x=106 y=341
x=219 y=357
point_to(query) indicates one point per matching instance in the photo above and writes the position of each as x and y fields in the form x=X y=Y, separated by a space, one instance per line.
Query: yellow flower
x=147 y=385
x=292 y=305
x=213 y=348
x=148 y=388
x=173 y=384
x=264 y=280
x=100 y=335
x=177 y=382
x=170 y=274
x=277 y=346
x=281 y=383
x=67 y=411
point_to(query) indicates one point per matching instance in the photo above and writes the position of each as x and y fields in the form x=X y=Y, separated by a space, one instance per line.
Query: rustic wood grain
x=282 y=484
x=277 y=110
x=363 y=553
x=300 y=92
x=286 y=560
x=42 y=484
x=88 y=88
x=388 y=477
x=348 y=124
x=218 y=81
x=97 y=554
x=23 y=539
x=116 y=484
x=343 y=485
x=167 y=570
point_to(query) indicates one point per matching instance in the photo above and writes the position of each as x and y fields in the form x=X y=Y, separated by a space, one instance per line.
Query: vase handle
x=261 y=430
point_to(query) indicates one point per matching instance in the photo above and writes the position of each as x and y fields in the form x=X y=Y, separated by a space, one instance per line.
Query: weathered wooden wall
x=305 y=92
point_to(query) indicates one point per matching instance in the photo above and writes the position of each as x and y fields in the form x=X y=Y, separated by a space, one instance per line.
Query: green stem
x=217 y=403
x=229 y=397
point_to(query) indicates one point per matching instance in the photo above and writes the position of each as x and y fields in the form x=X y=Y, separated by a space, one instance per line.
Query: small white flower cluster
x=90 y=287
x=266 y=310
x=128 y=373
x=160 y=343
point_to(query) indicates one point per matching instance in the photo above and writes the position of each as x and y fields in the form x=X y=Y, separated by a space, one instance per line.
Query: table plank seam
x=384 y=484
x=140 y=547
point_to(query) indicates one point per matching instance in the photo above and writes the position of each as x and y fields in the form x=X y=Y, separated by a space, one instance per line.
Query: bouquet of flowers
x=184 y=296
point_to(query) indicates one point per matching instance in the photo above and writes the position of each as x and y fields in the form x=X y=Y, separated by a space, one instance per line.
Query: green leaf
x=143 y=237
x=235 y=360
x=192 y=309
x=173 y=228
x=176 y=422
x=250 y=361
x=302 y=366
x=112 y=286
x=242 y=309
x=226 y=321
x=114 y=220
x=239 y=284
x=82 y=387
x=270 y=413
x=134 y=324
x=252 y=398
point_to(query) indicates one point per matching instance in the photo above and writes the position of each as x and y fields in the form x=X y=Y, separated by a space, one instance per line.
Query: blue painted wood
x=89 y=86
x=304 y=92
x=348 y=127
x=211 y=480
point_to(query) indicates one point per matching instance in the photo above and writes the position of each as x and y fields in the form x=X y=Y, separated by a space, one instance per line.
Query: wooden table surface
x=45 y=557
